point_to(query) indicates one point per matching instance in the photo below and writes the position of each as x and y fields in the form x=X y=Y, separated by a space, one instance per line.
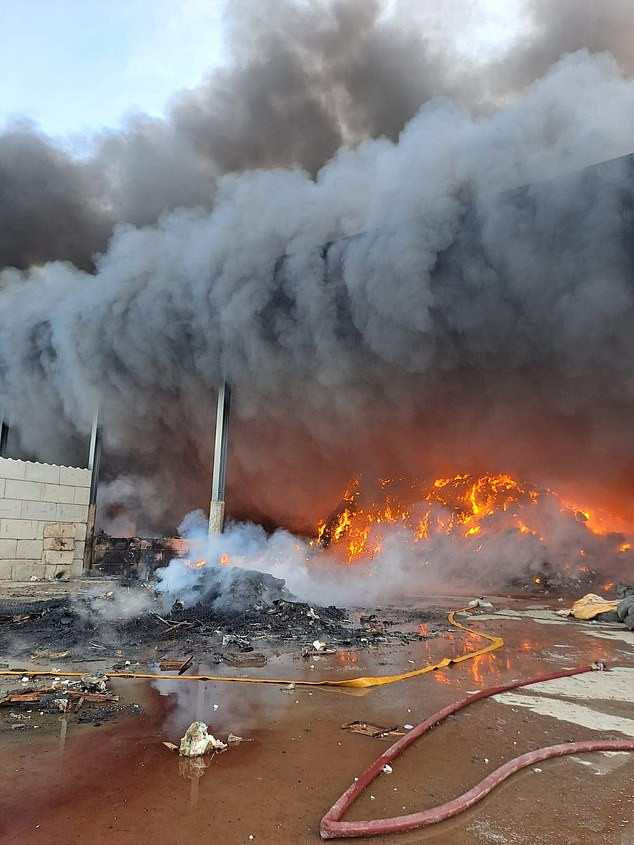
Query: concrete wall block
x=61 y=530
x=82 y=495
x=12 y=469
x=29 y=490
x=39 y=510
x=74 y=476
x=59 y=544
x=29 y=549
x=77 y=569
x=78 y=551
x=72 y=513
x=80 y=531
x=8 y=549
x=11 y=508
x=2 y=483
x=48 y=473
x=6 y=570
x=39 y=570
x=51 y=571
x=59 y=493
x=18 y=529
x=23 y=570
x=57 y=558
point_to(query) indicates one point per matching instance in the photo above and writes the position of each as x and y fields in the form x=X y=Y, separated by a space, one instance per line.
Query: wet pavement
x=116 y=783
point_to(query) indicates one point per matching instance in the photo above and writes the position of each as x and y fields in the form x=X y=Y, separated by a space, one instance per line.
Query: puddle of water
x=118 y=784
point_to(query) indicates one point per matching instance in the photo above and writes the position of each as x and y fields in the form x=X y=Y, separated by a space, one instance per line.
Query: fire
x=599 y=521
x=464 y=506
x=198 y=565
x=225 y=560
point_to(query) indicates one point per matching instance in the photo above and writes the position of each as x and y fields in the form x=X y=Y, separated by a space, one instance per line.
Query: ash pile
x=226 y=613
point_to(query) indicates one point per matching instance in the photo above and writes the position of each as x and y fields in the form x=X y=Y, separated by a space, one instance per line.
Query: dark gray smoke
x=301 y=80
x=49 y=204
x=456 y=320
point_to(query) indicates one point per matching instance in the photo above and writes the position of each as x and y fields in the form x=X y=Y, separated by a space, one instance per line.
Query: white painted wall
x=43 y=516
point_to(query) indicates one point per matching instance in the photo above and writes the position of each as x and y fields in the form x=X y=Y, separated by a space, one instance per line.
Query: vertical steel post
x=94 y=459
x=4 y=436
x=217 y=504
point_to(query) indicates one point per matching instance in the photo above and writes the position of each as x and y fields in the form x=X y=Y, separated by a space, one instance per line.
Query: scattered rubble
x=178 y=666
x=375 y=731
x=87 y=699
x=65 y=628
x=240 y=661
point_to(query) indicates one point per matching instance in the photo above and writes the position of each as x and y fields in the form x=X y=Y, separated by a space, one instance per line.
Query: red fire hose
x=333 y=828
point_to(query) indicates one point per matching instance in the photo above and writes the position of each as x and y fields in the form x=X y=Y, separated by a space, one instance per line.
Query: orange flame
x=196 y=565
x=224 y=560
x=463 y=504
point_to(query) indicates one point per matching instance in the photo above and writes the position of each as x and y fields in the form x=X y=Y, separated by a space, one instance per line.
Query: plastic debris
x=233 y=739
x=482 y=603
x=198 y=741
x=588 y=607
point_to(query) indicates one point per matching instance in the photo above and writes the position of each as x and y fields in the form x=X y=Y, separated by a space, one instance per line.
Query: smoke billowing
x=301 y=80
x=391 y=251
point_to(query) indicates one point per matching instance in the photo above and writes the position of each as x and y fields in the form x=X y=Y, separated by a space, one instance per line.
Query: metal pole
x=4 y=436
x=94 y=459
x=217 y=504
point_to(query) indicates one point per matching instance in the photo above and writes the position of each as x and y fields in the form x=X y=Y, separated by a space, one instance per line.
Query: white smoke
x=511 y=547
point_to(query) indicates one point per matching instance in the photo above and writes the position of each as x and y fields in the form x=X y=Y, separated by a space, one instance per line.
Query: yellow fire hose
x=496 y=642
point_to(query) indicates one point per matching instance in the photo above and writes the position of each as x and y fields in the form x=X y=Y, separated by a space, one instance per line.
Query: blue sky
x=75 y=66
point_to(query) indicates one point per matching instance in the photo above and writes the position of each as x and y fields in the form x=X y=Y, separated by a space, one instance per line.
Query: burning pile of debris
x=557 y=544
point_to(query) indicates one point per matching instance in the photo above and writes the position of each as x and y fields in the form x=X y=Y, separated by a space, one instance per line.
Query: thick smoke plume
x=301 y=80
x=391 y=280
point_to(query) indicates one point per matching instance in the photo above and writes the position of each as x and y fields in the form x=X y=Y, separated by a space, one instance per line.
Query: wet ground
x=67 y=782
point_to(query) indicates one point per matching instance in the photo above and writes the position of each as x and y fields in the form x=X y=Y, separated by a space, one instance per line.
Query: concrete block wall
x=43 y=517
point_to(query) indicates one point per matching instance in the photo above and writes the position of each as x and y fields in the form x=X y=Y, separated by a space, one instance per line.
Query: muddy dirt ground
x=111 y=780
